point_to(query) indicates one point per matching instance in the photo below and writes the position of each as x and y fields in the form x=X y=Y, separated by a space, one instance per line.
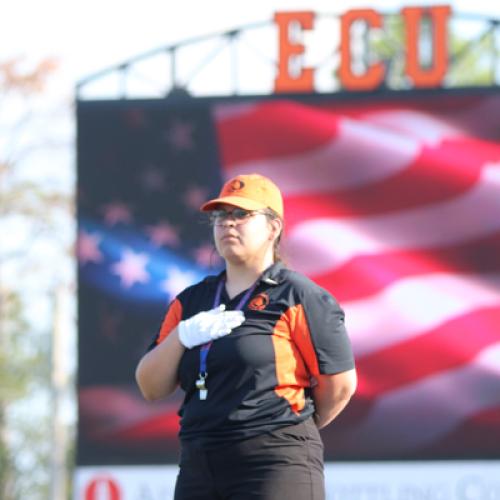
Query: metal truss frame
x=483 y=48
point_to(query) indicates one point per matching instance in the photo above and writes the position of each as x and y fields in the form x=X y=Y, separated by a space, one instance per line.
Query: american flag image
x=395 y=208
x=392 y=204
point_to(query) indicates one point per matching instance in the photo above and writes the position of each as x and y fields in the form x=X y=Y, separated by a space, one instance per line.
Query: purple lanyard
x=206 y=347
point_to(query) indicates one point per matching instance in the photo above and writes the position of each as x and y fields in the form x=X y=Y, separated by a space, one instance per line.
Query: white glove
x=208 y=325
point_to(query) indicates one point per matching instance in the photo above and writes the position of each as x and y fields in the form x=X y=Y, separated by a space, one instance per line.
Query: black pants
x=284 y=464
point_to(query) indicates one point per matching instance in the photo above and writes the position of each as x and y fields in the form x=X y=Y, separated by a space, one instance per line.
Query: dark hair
x=271 y=215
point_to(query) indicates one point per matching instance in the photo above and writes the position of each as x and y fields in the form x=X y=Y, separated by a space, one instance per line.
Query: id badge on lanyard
x=205 y=348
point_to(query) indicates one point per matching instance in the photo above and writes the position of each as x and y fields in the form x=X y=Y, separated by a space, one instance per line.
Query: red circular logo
x=236 y=185
x=259 y=302
x=102 y=488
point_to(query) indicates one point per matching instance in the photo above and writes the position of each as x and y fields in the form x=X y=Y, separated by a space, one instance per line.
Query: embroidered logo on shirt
x=259 y=302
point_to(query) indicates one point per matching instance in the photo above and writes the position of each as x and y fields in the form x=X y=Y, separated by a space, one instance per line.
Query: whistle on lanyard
x=200 y=385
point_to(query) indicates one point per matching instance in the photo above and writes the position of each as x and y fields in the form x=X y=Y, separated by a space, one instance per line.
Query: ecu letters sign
x=412 y=17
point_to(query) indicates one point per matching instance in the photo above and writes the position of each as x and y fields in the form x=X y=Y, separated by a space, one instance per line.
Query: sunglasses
x=238 y=215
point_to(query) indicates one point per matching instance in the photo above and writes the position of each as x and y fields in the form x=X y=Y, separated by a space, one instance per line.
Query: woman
x=262 y=355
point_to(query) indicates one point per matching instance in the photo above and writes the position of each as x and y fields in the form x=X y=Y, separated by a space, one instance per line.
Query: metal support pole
x=123 y=80
x=233 y=40
x=59 y=383
x=493 y=48
x=173 y=67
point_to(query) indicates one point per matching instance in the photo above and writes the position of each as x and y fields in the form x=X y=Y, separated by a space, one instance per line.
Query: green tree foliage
x=472 y=52
x=30 y=213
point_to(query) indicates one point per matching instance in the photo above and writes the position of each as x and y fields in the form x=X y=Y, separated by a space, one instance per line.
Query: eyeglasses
x=238 y=215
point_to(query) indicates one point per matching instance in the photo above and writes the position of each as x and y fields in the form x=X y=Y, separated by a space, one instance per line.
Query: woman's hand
x=156 y=373
x=208 y=325
x=331 y=395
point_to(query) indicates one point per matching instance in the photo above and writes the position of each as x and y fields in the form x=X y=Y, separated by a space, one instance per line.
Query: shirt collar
x=271 y=276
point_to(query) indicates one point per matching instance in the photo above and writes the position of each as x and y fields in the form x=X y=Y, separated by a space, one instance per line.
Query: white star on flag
x=132 y=268
x=195 y=197
x=153 y=179
x=135 y=118
x=207 y=256
x=180 y=135
x=176 y=281
x=116 y=212
x=88 y=247
x=163 y=234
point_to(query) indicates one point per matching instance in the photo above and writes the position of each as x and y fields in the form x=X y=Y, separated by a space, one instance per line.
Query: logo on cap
x=236 y=185
x=259 y=302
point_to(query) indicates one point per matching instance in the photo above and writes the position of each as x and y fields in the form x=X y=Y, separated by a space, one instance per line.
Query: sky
x=89 y=36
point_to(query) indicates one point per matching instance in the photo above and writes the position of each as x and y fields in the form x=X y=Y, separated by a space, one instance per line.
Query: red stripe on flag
x=367 y=275
x=437 y=174
x=450 y=345
x=476 y=437
x=273 y=130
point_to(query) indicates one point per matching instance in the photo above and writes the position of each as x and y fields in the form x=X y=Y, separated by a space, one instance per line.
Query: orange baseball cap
x=251 y=192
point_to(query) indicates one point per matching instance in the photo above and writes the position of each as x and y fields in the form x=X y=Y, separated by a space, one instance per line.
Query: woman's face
x=246 y=240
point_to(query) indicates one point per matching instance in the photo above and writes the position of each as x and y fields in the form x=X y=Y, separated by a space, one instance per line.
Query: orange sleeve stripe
x=172 y=319
x=292 y=372
x=301 y=336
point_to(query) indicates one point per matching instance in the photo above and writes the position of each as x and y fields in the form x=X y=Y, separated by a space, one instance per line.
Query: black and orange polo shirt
x=259 y=376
